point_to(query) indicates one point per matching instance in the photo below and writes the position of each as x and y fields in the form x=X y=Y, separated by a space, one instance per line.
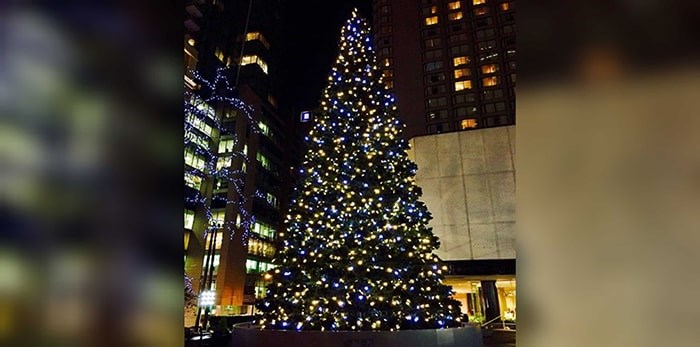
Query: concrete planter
x=249 y=335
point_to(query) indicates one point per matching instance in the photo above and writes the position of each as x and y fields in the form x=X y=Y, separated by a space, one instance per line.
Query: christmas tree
x=358 y=254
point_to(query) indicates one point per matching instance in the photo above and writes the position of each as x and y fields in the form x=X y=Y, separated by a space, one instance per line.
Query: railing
x=486 y=324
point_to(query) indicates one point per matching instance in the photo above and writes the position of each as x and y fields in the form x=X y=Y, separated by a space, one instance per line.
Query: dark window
x=457 y=27
x=463 y=98
x=507 y=29
x=436 y=102
x=483 y=22
x=438 y=128
x=492 y=94
x=486 y=45
x=439 y=89
x=385 y=29
x=458 y=37
x=465 y=111
x=429 y=55
x=485 y=33
x=508 y=17
x=432 y=66
x=509 y=42
x=431 y=43
x=437 y=114
x=434 y=78
x=459 y=50
x=495 y=107
x=431 y=32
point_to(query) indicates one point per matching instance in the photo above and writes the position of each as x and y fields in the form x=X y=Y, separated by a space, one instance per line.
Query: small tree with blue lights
x=358 y=254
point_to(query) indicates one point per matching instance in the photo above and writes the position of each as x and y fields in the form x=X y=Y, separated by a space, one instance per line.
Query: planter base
x=249 y=335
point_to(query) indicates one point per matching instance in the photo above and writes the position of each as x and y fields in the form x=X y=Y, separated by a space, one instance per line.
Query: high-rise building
x=450 y=63
x=451 y=66
x=229 y=34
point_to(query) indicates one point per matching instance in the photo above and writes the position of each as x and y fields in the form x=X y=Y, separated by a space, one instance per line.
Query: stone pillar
x=491 y=309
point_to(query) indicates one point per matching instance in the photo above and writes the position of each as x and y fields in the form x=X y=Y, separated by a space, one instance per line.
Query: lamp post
x=207 y=299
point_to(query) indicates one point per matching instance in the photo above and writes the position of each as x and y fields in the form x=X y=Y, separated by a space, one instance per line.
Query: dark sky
x=309 y=42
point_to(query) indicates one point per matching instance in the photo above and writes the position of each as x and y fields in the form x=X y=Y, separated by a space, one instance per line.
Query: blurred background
x=608 y=184
x=90 y=143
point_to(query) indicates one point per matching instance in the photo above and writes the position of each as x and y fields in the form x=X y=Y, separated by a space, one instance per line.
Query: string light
x=358 y=252
x=201 y=123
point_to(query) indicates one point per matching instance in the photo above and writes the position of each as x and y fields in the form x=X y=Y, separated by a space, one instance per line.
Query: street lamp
x=207 y=299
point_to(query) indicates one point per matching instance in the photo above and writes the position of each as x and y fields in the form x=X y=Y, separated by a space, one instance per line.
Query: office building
x=223 y=34
x=450 y=64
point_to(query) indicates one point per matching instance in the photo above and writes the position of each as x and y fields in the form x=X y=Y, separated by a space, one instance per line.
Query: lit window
x=490 y=81
x=505 y=6
x=217 y=218
x=264 y=129
x=479 y=11
x=462 y=85
x=431 y=20
x=272 y=200
x=387 y=61
x=226 y=146
x=478 y=2
x=257 y=36
x=254 y=59
x=388 y=73
x=468 y=124
x=223 y=162
x=454 y=5
x=219 y=54
x=196 y=161
x=459 y=73
x=390 y=84
x=264 y=161
x=455 y=15
x=463 y=60
x=195 y=138
x=487 y=69
x=189 y=219
x=193 y=181
x=200 y=125
x=264 y=230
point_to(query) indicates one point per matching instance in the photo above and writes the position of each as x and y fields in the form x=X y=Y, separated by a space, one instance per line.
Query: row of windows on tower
x=463 y=111
x=490 y=81
x=456 y=5
x=477 y=34
x=431 y=13
x=470 y=123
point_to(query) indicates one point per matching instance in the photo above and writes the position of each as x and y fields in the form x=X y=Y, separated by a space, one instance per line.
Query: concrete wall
x=468 y=182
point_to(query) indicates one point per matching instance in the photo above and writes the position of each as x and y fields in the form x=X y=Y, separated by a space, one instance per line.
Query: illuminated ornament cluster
x=358 y=254
x=199 y=108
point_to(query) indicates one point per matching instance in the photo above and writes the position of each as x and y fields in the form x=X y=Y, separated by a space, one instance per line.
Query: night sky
x=309 y=42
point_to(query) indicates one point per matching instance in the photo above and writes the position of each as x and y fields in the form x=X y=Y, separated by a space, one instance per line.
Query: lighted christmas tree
x=358 y=254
